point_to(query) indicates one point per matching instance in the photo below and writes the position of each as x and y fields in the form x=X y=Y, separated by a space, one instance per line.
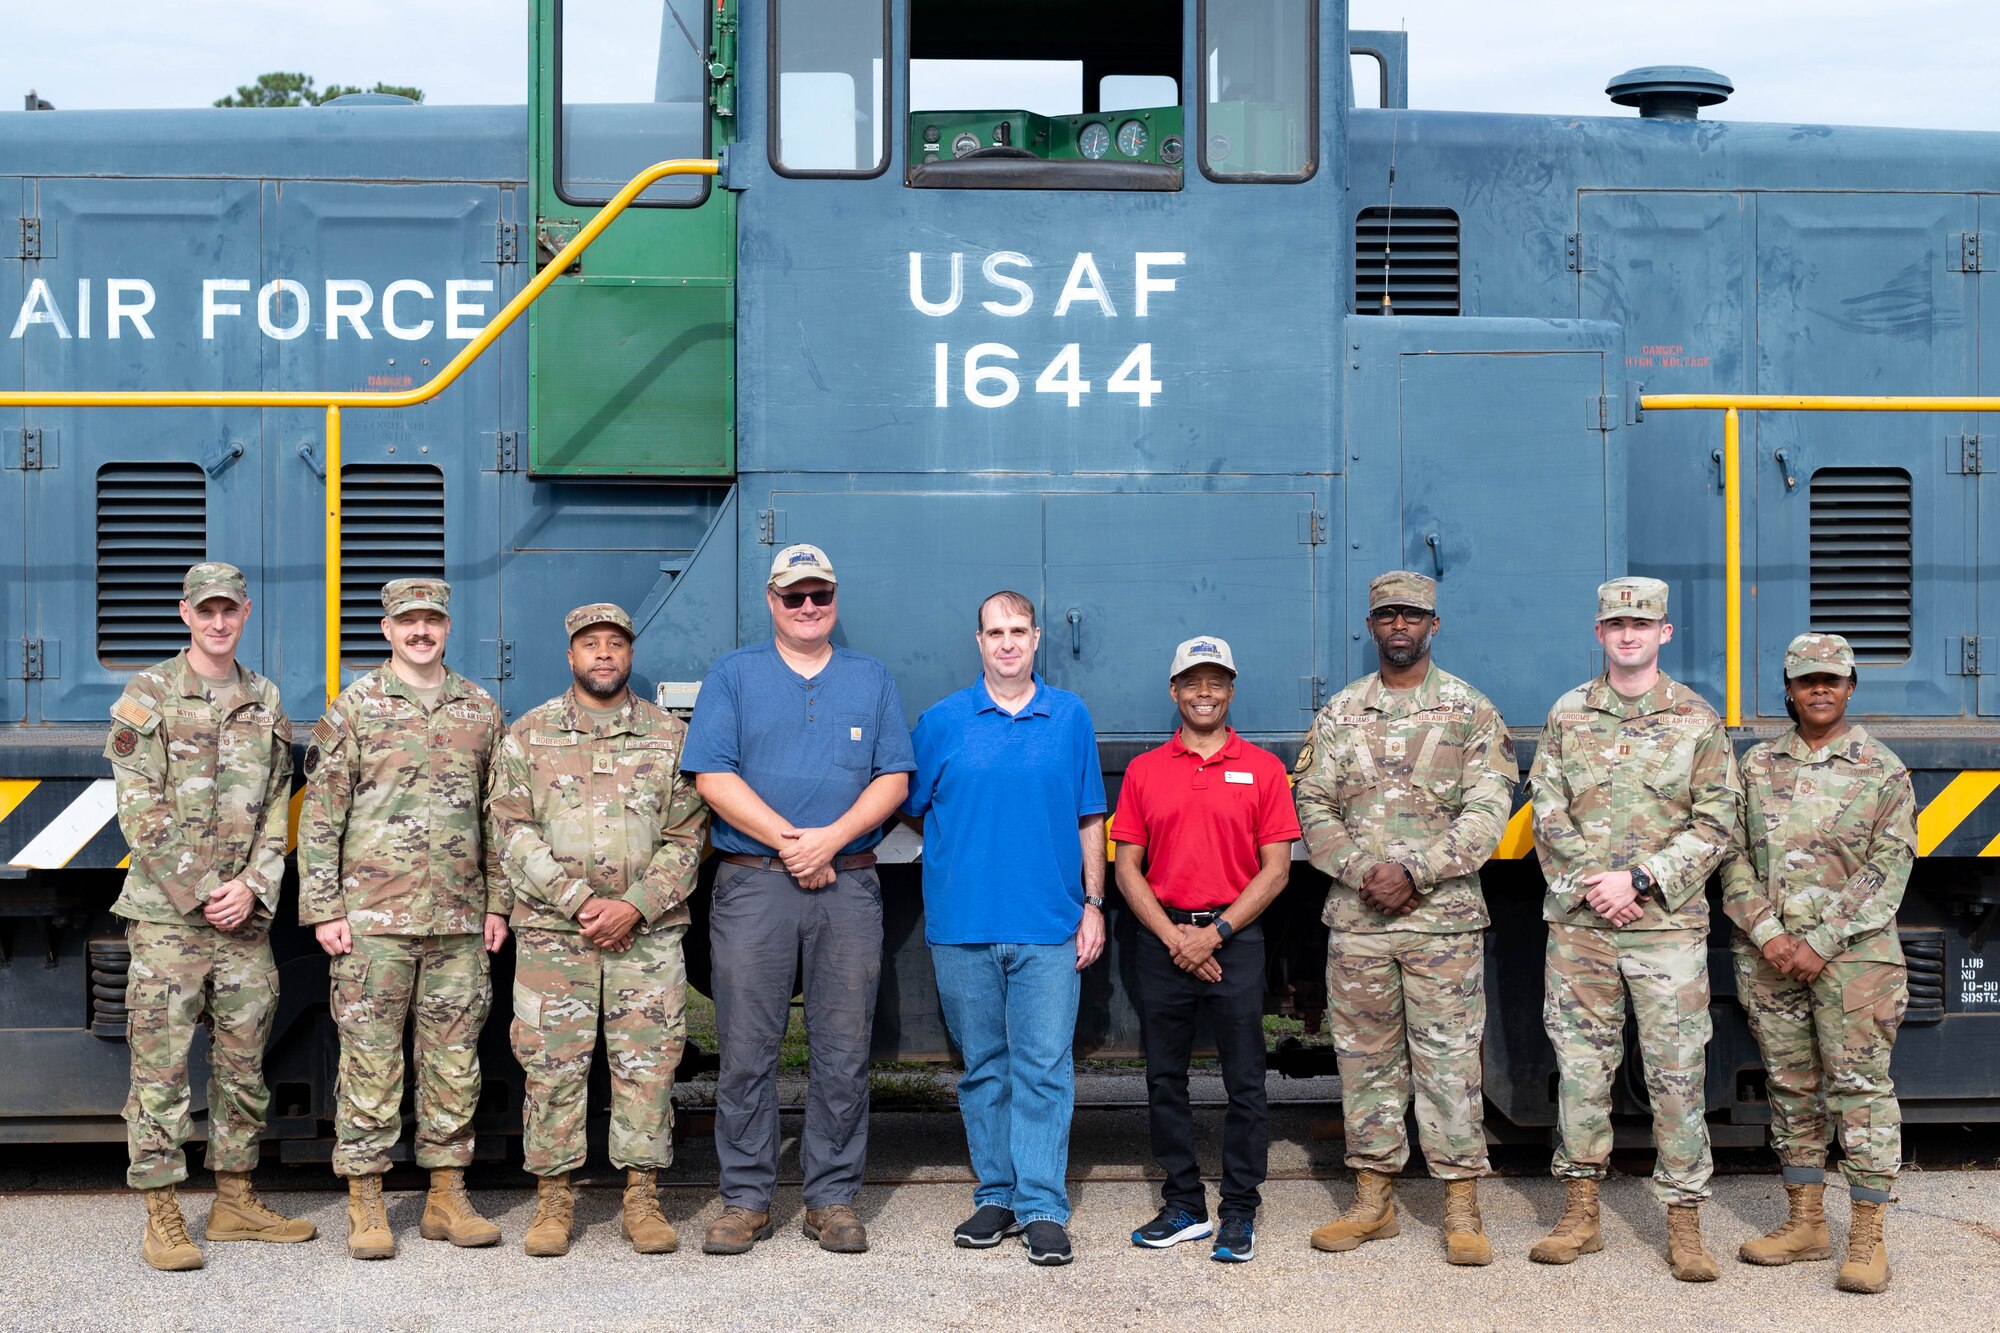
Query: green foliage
x=282 y=89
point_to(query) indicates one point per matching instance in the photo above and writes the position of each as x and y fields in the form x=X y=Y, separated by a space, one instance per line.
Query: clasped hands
x=808 y=854
x=1612 y=897
x=1193 y=950
x=230 y=905
x=1388 y=888
x=1794 y=957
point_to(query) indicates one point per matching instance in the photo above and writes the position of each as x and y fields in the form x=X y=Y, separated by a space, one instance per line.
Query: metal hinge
x=1972 y=656
x=1971 y=461
x=1966 y=256
x=31 y=449
x=507 y=451
x=1312 y=692
x=1573 y=259
x=507 y=247
x=1603 y=412
x=503 y=658
x=31 y=239
x=32 y=664
x=770 y=526
x=1312 y=527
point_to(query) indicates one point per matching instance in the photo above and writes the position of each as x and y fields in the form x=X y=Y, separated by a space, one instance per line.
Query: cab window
x=631 y=90
x=829 y=99
x=1259 y=75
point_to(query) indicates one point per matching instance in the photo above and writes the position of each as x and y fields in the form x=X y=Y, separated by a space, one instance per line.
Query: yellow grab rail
x=1730 y=404
x=334 y=401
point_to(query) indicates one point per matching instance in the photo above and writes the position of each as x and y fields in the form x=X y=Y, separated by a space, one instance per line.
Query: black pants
x=1169 y=1001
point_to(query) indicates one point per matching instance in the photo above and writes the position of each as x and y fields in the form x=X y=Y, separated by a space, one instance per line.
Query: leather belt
x=858 y=861
x=1187 y=918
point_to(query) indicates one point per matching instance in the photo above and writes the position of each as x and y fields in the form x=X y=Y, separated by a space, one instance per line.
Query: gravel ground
x=70 y=1261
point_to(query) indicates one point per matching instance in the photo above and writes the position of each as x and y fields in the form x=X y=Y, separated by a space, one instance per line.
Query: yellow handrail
x=1730 y=404
x=334 y=401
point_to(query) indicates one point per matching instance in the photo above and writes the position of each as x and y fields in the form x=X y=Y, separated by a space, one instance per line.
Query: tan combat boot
x=1372 y=1215
x=449 y=1214
x=1801 y=1236
x=238 y=1214
x=166 y=1245
x=1687 y=1258
x=368 y=1234
x=1867 y=1266
x=1576 y=1230
x=642 y=1223
x=555 y=1217
x=1464 y=1235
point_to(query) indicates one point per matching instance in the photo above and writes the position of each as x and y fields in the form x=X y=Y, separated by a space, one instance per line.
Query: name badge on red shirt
x=1244 y=779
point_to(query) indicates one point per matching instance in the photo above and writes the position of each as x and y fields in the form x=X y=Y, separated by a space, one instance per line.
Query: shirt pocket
x=854 y=742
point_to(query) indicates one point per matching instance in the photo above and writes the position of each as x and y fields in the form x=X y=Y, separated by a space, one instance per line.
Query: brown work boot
x=1372 y=1215
x=368 y=1234
x=1464 y=1235
x=836 y=1228
x=166 y=1245
x=1576 y=1230
x=449 y=1214
x=238 y=1214
x=555 y=1217
x=1687 y=1258
x=1867 y=1266
x=1802 y=1235
x=643 y=1224
x=736 y=1231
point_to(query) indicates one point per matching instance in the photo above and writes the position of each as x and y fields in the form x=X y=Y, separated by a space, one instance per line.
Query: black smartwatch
x=1642 y=882
x=1224 y=929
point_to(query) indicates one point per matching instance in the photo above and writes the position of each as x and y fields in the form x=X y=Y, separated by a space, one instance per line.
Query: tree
x=282 y=89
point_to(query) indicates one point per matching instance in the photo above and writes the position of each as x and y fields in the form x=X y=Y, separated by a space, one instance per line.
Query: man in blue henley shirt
x=1012 y=799
x=801 y=751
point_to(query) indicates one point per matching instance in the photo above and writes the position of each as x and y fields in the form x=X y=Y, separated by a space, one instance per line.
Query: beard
x=1403 y=657
x=602 y=692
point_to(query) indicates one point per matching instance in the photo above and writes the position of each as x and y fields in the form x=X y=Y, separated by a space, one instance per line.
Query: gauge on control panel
x=1093 y=140
x=1132 y=139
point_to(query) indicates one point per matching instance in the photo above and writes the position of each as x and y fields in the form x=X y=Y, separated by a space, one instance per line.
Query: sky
x=1914 y=62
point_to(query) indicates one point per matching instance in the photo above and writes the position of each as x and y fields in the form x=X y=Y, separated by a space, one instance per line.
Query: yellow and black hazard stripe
x=72 y=824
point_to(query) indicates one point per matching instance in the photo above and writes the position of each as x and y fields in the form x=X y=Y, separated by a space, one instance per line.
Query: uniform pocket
x=527 y=1007
x=1882 y=989
x=854 y=742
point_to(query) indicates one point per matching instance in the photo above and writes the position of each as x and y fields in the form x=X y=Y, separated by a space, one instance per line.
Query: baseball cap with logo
x=799 y=562
x=1403 y=587
x=1205 y=650
x=1638 y=598
x=402 y=596
x=214 y=578
x=598 y=613
x=1810 y=654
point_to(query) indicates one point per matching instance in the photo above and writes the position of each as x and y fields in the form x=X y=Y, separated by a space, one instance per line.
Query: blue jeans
x=1011 y=1009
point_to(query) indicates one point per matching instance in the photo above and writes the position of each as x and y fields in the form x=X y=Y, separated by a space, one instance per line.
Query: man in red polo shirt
x=1204 y=828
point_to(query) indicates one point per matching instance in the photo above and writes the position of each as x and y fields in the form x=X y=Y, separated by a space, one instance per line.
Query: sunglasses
x=794 y=600
x=1389 y=615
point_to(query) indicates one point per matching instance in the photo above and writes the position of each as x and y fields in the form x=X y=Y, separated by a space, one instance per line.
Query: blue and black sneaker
x=1236 y=1242
x=1174 y=1225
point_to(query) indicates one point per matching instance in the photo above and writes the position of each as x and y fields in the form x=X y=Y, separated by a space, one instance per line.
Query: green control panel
x=1149 y=135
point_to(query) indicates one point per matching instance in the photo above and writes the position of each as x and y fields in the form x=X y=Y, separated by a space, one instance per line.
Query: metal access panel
x=124 y=263
x=418 y=265
x=1865 y=520
x=1986 y=433
x=13 y=482
x=913 y=571
x=1676 y=268
x=1129 y=576
x=1453 y=426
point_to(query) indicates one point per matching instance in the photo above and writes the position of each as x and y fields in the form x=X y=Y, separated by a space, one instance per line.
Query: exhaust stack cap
x=1669 y=92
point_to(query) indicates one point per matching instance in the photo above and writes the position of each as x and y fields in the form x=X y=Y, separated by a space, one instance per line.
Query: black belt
x=1203 y=918
x=858 y=861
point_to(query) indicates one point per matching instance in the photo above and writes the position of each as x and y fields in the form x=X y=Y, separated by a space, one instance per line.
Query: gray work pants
x=760 y=921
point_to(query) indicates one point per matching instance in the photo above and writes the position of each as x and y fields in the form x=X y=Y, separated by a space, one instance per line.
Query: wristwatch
x=1093 y=900
x=1224 y=929
x=1642 y=881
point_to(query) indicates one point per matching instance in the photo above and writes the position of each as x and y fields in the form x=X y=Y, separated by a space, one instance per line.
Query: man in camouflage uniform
x=1821 y=859
x=201 y=752
x=399 y=887
x=602 y=835
x=1404 y=788
x=1635 y=795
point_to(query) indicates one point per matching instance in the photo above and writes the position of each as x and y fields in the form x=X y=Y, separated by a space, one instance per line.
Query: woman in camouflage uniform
x=1813 y=884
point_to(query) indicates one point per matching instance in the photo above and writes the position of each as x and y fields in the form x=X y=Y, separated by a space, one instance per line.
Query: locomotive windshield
x=632 y=90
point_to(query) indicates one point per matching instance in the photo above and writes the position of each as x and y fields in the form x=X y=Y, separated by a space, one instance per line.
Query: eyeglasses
x=794 y=600
x=1389 y=615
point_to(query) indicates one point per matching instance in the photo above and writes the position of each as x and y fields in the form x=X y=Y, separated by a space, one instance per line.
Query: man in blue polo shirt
x=801 y=751
x=1012 y=799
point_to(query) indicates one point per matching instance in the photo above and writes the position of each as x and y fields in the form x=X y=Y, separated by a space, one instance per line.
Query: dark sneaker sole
x=761 y=1233
x=1223 y=1256
x=987 y=1241
x=1050 y=1258
x=1199 y=1231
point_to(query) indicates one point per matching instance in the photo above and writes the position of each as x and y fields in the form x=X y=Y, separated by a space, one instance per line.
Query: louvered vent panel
x=152 y=523
x=1860 y=559
x=1410 y=252
x=392 y=527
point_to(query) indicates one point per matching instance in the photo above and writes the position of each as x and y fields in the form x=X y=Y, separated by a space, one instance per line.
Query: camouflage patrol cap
x=402 y=596
x=1812 y=653
x=214 y=578
x=1402 y=587
x=799 y=562
x=1637 y=598
x=598 y=613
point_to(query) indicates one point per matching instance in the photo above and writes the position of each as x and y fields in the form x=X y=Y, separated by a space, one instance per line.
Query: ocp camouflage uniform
x=581 y=810
x=1823 y=853
x=1618 y=783
x=202 y=799
x=392 y=839
x=1424 y=778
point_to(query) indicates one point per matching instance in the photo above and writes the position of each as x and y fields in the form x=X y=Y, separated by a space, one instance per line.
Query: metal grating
x=152 y=523
x=391 y=527
x=1412 y=255
x=1860 y=559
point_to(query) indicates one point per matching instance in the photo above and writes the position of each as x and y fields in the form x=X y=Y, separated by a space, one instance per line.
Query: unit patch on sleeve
x=124 y=741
